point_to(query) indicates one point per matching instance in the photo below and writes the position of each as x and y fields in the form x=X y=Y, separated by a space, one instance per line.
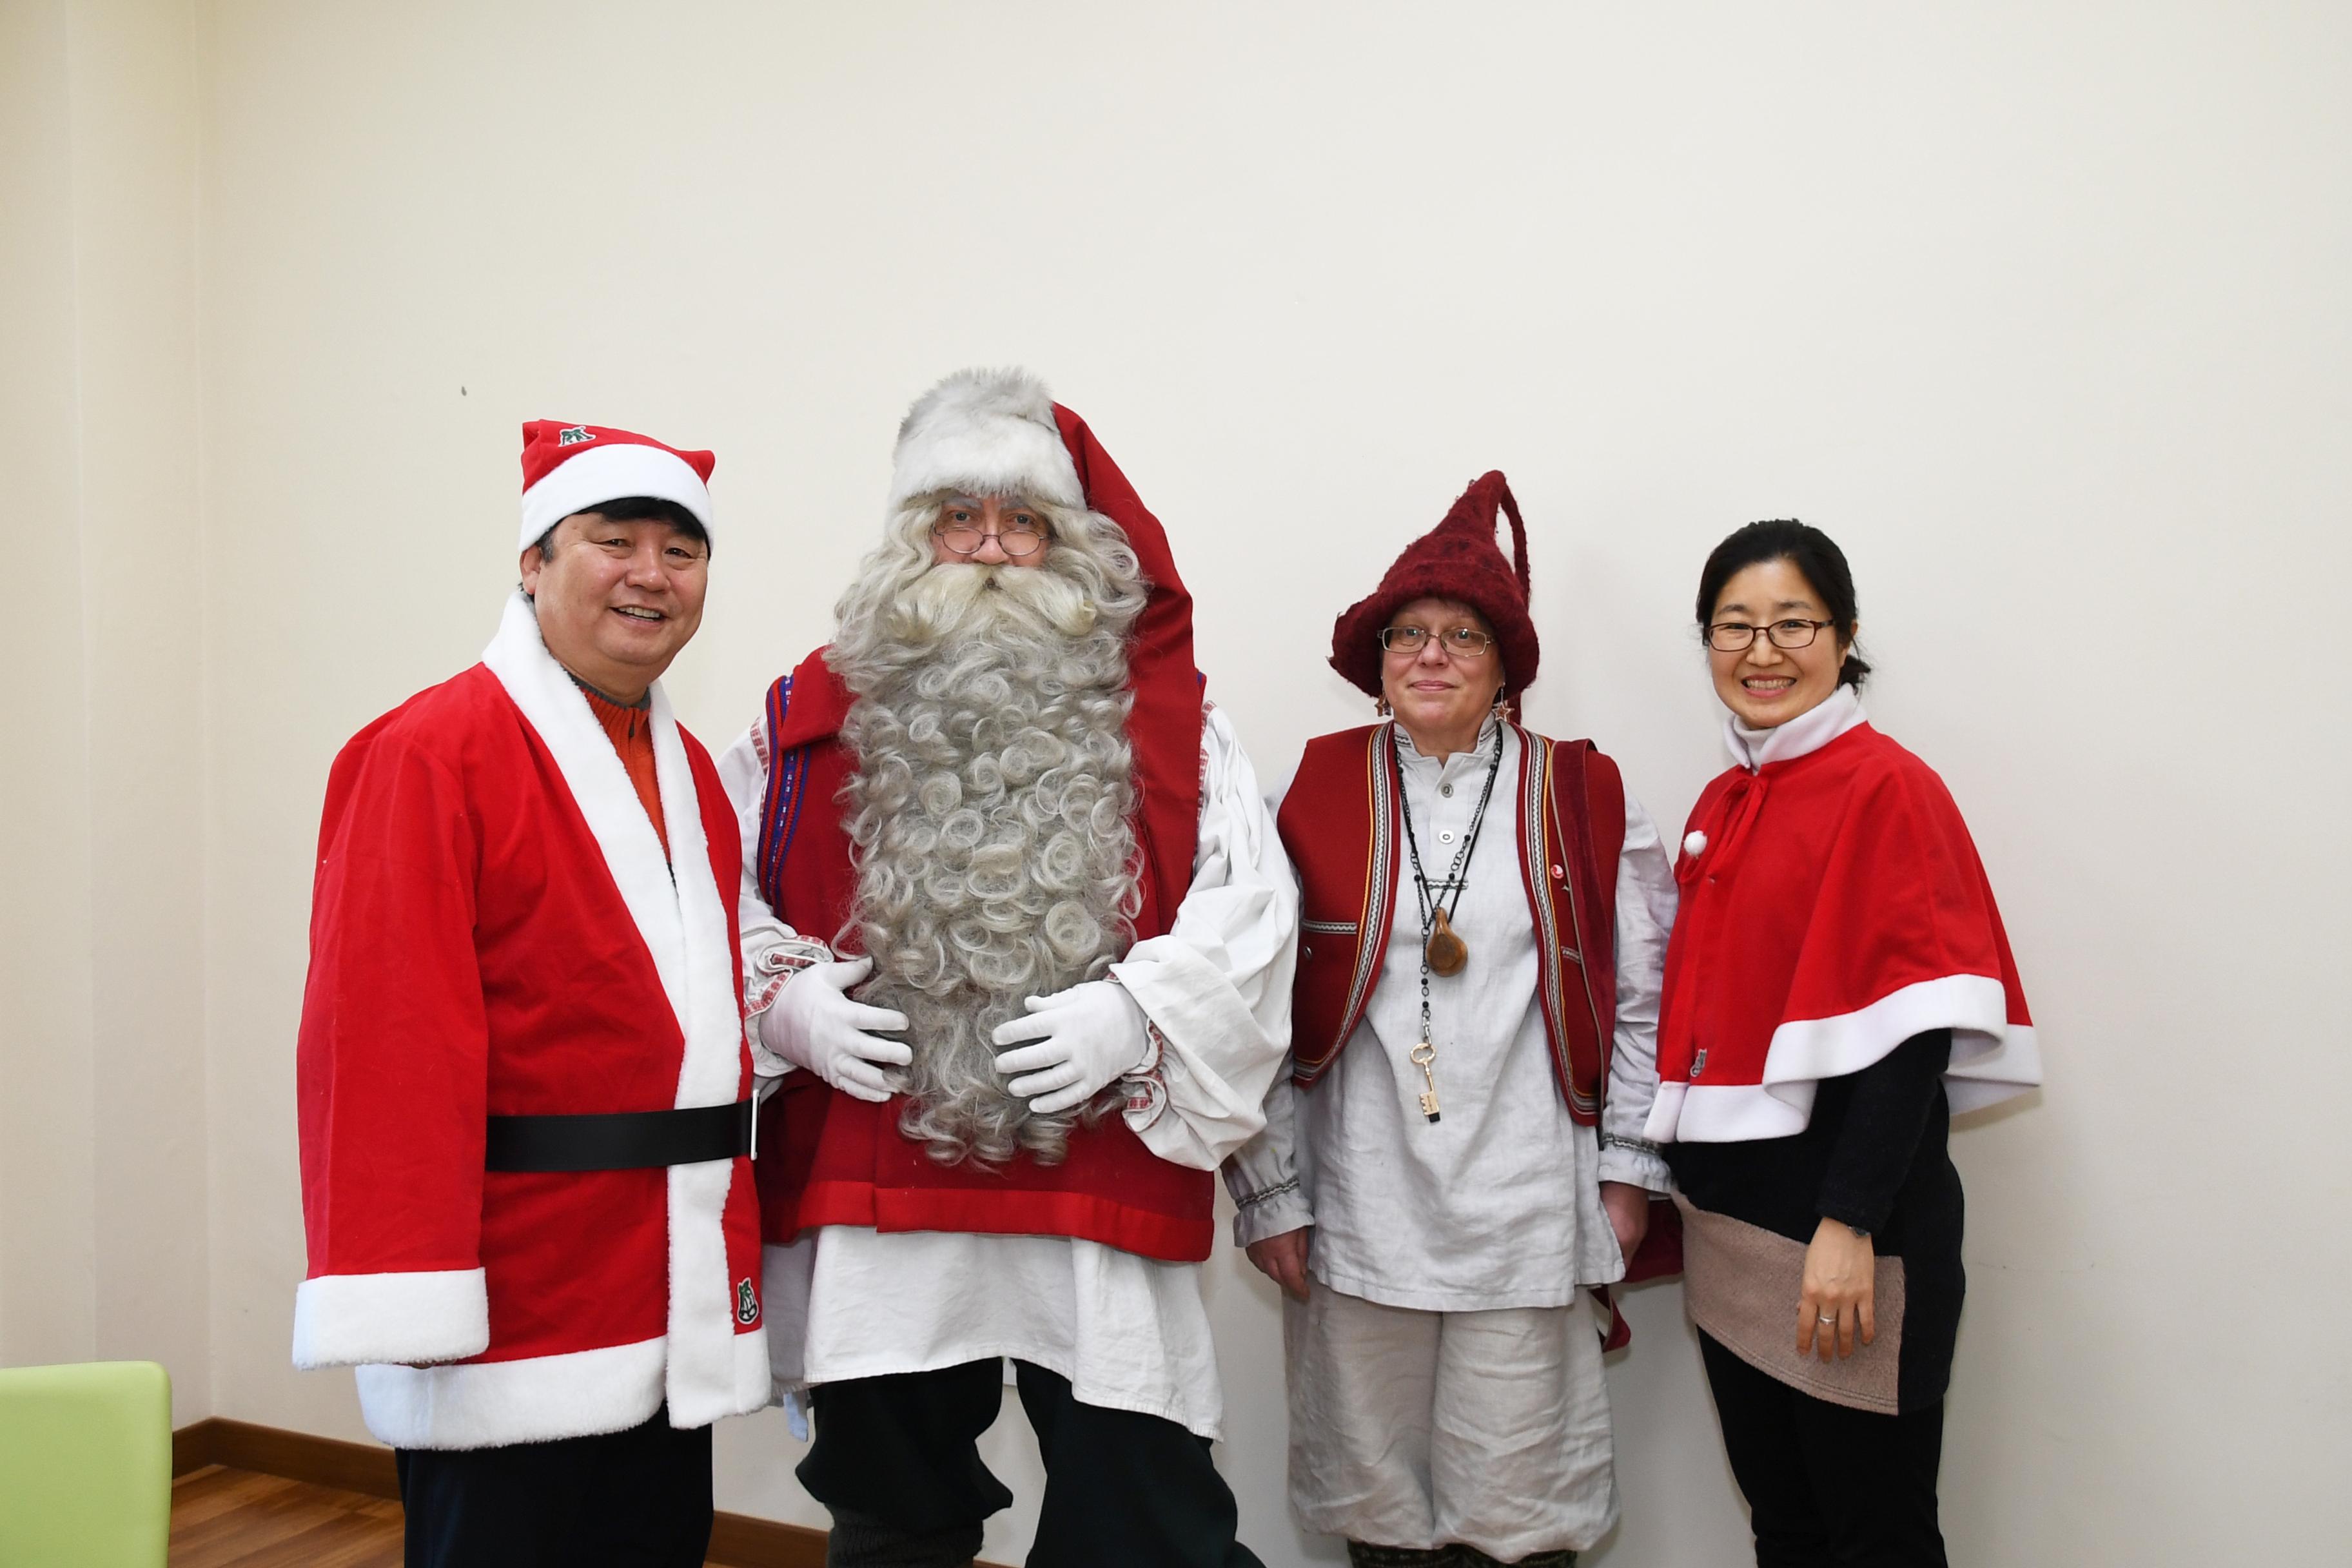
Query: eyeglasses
x=1733 y=636
x=1461 y=642
x=1021 y=536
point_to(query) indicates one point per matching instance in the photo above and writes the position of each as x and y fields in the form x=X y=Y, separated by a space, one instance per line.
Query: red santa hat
x=575 y=467
x=1460 y=560
x=983 y=433
x=1165 y=723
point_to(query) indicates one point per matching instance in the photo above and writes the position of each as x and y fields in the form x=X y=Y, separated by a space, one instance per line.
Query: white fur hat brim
x=984 y=432
x=622 y=468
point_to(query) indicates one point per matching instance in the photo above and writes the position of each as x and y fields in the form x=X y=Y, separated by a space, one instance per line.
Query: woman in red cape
x=1838 y=983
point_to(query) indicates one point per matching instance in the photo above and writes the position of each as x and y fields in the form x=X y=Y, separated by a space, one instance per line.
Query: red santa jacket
x=835 y=1159
x=495 y=930
x=1833 y=907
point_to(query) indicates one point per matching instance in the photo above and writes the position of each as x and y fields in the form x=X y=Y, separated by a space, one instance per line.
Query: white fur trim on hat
x=610 y=472
x=984 y=432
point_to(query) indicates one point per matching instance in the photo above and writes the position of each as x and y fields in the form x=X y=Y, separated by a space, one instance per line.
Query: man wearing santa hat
x=523 y=1075
x=1062 y=932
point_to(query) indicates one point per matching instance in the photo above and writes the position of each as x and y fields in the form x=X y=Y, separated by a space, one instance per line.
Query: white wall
x=102 y=1116
x=2039 y=310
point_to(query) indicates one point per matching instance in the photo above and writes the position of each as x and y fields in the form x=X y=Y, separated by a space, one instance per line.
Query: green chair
x=85 y=1466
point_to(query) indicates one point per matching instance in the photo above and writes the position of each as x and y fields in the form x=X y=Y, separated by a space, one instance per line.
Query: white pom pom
x=1694 y=842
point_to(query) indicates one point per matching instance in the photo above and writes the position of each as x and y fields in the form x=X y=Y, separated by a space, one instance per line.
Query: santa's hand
x=1087 y=1037
x=812 y=1025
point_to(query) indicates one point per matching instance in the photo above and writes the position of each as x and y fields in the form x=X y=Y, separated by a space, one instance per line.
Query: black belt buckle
x=619 y=1141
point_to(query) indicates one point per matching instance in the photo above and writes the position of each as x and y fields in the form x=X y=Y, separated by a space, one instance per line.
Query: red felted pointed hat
x=1459 y=559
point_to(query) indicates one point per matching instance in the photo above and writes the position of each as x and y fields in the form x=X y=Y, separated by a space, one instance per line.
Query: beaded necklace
x=1441 y=950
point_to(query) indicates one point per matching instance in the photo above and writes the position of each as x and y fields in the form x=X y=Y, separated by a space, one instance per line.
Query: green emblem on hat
x=574 y=437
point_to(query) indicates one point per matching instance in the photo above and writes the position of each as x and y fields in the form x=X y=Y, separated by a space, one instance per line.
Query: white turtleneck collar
x=1809 y=732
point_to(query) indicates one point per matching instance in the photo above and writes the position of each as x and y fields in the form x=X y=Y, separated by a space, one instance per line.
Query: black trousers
x=638 y=1499
x=895 y=1461
x=1826 y=1484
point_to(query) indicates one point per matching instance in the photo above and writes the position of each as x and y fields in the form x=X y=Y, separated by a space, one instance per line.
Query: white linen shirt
x=1498 y=1203
x=1130 y=1333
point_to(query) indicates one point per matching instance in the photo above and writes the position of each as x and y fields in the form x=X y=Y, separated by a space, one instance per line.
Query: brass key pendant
x=1423 y=1055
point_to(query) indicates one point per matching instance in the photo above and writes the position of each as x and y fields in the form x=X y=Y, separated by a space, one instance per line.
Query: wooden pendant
x=1446 y=953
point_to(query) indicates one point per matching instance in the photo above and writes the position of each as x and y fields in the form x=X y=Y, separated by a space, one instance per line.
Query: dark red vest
x=827 y=1158
x=1339 y=823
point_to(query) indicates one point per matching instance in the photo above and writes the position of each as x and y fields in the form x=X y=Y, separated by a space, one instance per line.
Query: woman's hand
x=1841 y=1277
x=1283 y=1259
x=1629 y=1214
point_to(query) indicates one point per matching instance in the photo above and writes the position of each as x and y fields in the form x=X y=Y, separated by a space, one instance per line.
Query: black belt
x=618 y=1141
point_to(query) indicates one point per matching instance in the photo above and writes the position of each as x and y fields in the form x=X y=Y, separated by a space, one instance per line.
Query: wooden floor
x=222 y=1516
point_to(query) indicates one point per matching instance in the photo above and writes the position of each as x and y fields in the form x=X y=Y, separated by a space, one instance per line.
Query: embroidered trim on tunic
x=777 y=965
x=1535 y=812
x=1535 y=806
x=1146 y=1084
x=1639 y=1145
x=780 y=813
x=1379 y=880
x=1275 y=1190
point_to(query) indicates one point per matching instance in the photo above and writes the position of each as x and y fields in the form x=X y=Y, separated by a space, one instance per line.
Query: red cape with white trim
x=1834 y=906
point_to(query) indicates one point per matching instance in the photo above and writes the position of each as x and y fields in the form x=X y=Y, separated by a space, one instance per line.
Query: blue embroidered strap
x=780 y=811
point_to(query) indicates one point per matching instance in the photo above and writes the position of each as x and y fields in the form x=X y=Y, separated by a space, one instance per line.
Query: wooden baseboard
x=297 y=1455
x=736 y=1539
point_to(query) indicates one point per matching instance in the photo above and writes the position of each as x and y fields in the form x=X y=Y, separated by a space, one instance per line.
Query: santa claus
x=1019 y=936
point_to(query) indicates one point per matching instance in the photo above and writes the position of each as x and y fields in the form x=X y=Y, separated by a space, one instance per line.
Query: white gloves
x=814 y=1026
x=1087 y=1037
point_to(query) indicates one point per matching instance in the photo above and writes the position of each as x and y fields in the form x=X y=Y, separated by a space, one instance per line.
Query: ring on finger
x=1825 y=1316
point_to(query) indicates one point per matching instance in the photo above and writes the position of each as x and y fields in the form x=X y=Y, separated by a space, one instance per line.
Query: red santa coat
x=1833 y=907
x=495 y=930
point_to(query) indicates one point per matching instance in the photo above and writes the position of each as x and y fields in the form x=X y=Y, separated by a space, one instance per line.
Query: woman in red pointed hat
x=1838 y=985
x=1455 y=1156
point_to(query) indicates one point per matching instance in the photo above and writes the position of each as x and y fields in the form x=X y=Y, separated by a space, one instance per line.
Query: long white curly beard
x=989 y=816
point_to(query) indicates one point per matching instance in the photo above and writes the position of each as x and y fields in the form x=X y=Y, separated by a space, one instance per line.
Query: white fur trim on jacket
x=1992 y=1060
x=343 y=1319
x=684 y=927
x=479 y=1404
x=984 y=432
x=621 y=470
